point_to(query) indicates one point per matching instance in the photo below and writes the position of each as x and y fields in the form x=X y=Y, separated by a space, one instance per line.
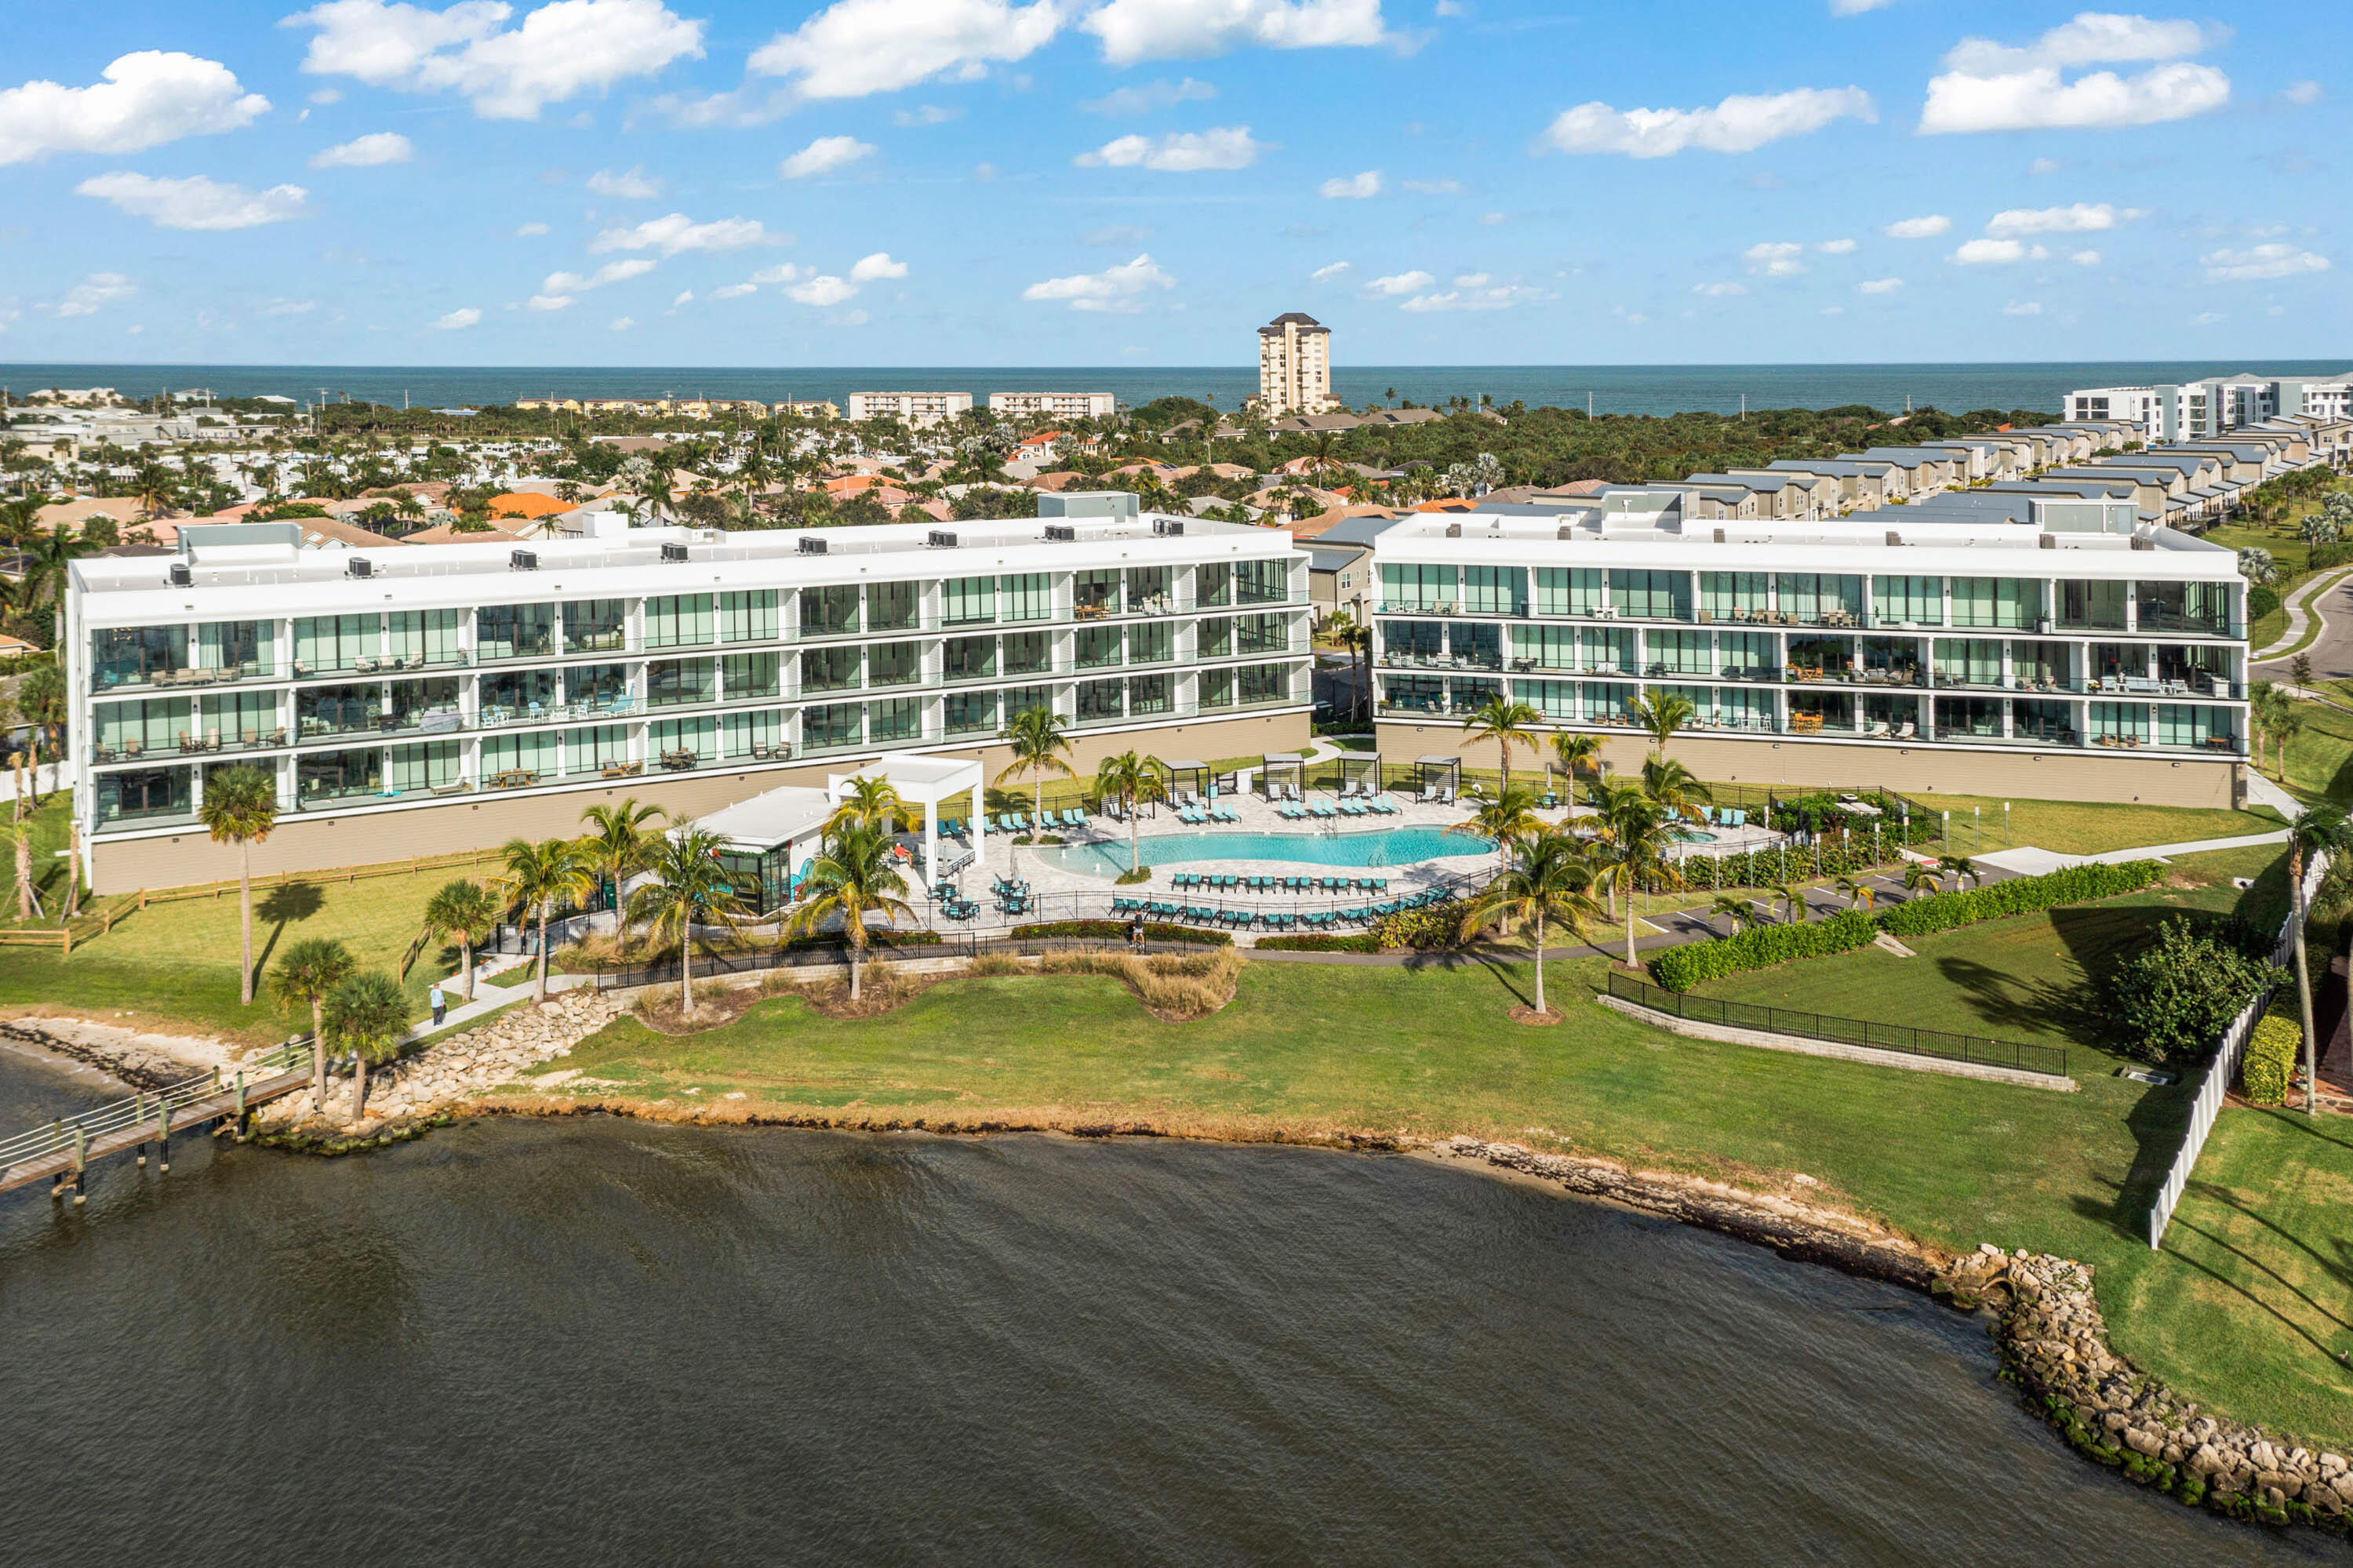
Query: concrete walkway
x=2303 y=610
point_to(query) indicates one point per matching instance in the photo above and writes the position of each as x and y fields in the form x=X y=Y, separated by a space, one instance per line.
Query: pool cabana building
x=770 y=839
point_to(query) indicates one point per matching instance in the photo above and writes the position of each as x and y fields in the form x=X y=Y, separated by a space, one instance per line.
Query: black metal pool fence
x=1938 y=1042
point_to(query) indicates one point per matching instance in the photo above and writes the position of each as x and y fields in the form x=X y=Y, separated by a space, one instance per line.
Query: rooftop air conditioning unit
x=1719 y=536
x=1168 y=526
x=673 y=552
x=1567 y=531
x=812 y=546
x=179 y=574
x=1893 y=539
x=942 y=539
x=523 y=560
x=361 y=566
x=1454 y=530
x=2048 y=542
x=1063 y=532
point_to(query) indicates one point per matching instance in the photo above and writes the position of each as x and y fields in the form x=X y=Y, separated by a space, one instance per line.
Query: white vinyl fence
x=2224 y=1069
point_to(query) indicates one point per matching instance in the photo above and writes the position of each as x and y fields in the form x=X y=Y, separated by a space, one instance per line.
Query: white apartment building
x=1295 y=365
x=438 y=698
x=912 y=409
x=1052 y=405
x=2086 y=656
x=2191 y=409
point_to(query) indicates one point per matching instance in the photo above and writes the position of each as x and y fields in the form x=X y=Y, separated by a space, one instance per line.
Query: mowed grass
x=2320 y=755
x=2084 y=827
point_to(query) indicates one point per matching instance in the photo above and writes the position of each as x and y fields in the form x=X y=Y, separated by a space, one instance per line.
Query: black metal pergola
x=1441 y=774
x=1281 y=770
x=1187 y=775
x=1360 y=773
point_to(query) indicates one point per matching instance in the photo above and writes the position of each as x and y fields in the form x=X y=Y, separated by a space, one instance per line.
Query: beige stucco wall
x=486 y=821
x=2155 y=780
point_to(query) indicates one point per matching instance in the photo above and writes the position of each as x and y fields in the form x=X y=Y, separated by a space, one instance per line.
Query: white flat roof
x=767 y=819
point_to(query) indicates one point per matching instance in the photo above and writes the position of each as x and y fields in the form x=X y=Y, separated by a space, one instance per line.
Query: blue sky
x=1098 y=182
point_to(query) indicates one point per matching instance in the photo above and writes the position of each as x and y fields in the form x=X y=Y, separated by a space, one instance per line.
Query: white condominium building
x=1052 y=405
x=2169 y=411
x=912 y=409
x=445 y=697
x=1295 y=365
x=2083 y=656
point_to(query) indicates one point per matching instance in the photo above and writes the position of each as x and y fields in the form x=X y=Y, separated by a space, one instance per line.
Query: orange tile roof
x=526 y=503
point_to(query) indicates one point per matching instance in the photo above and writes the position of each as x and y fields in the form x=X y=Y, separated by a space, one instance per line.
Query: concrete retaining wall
x=1804 y=1047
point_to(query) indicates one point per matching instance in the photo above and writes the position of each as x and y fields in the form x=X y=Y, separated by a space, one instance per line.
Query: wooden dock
x=63 y=1152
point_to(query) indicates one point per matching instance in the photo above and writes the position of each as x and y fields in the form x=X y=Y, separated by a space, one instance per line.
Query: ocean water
x=1612 y=388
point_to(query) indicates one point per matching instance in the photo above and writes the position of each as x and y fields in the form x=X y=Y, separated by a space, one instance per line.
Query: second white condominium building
x=2187 y=410
x=914 y=409
x=1052 y=405
x=1295 y=365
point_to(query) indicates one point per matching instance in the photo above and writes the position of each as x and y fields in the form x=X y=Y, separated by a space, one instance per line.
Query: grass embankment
x=2086 y=827
x=2320 y=755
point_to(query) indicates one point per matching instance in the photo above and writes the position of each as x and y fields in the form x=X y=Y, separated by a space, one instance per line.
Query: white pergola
x=926 y=781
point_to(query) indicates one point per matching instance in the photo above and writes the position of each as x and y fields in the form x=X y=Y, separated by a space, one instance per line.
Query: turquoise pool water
x=1382 y=846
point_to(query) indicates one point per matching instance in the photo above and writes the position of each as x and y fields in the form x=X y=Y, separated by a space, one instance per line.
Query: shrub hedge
x=2261 y=602
x=1360 y=942
x=1153 y=931
x=1762 y=947
x=2271 y=1058
x=1433 y=926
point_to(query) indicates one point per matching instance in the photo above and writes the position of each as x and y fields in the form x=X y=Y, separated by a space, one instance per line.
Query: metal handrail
x=146 y=1106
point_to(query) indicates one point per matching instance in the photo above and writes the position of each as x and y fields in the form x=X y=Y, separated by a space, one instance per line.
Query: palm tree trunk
x=1630 y=928
x=540 y=988
x=686 y=969
x=318 y=1056
x=1541 y=1008
x=1135 y=850
x=245 y=910
x=466 y=957
x=2304 y=983
x=359 y=1083
x=24 y=876
x=857 y=948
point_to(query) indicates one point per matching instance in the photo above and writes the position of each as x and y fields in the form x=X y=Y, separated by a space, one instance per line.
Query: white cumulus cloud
x=560 y=49
x=2260 y=263
x=1400 y=283
x=1324 y=274
x=1134 y=30
x=632 y=183
x=1472 y=291
x=2082 y=217
x=531 y=230
x=675 y=232
x=1179 y=152
x=1149 y=96
x=725 y=292
x=623 y=324
x=1775 y=259
x=1350 y=187
x=1836 y=246
x=1928 y=228
x=1990 y=86
x=195 y=202
x=2022 y=307
x=824 y=289
x=143 y=100
x=1719 y=291
x=94 y=294
x=366 y=151
x=875 y=267
x=548 y=303
x=824 y=156
x=611 y=272
x=1741 y=124
x=855 y=47
x=1996 y=252
x=1116 y=289
x=457 y=321
x=2084 y=258
x=1879 y=285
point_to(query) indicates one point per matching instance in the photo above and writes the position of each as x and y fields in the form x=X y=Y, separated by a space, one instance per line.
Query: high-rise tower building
x=1295 y=365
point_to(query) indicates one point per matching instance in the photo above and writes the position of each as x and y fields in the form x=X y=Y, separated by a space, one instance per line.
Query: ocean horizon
x=1653 y=389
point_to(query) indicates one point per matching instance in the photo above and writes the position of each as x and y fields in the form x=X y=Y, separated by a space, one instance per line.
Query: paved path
x=2332 y=650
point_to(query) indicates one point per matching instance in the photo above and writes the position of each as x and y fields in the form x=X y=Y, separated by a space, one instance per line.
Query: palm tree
x=367 y=1015
x=52 y=555
x=1741 y=912
x=687 y=888
x=1577 y=753
x=2322 y=831
x=1960 y=868
x=1792 y=901
x=1507 y=723
x=1857 y=891
x=42 y=702
x=1547 y=877
x=307 y=973
x=1509 y=818
x=1637 y=828
x=1660 y=714
x=871 y=801
x=240 y=806
x=538 y=876
x=1129 y=778
x=1040 y=746
x=1671 y=784
x=1919 y=874
x=464 y=910
x=851 y=878
x=617 y=845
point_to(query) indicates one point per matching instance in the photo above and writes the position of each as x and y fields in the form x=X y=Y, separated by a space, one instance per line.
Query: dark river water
x=604 y=1342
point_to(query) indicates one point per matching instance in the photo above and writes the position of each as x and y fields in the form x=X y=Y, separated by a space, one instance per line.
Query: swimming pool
x=1384 y=846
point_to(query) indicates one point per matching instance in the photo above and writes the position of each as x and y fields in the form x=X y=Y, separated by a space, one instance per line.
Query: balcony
x=107 y=681
x=191 y=743
x=498 y=715
x=520 y=649
x=390 y=664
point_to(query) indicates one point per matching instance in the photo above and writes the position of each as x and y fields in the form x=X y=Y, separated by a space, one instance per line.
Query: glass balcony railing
x=118 y=678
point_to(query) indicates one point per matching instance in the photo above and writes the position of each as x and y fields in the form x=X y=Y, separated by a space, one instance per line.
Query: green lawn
x=2086 y=827
x=2320 y=756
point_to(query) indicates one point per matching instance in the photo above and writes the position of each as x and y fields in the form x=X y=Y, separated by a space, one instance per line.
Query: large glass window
x=1733 y=596
x=1607 y=649
x=509 y=696
x=1967 y=661
x=1216 y=638
x=2096 y=605
x=2051 y=723
x=1968 y=718
x=1678 y=652
x=1261 y=582
x=1151 y=644
x=1650 y=596
x=501 y=631
x=323 y=643
x=1097 y=646
x=1568 y=590
x=243 y=648
x=429 y=704
x=1417 y=585
x=420 y=639
x=1553 y=699
x=2043 y=665
x=2119 y=724
x=830 y=611
x=1895 y=658
x=2184 y=607
x=1998 y=601
x=1022 y=699
x=746 y=677
x=1025 y=595
x=1908 y=600
x=834 y=668
x=1544 y=647
x=244 y=718
x=136 y=794
x=1149 y=694
x=1756 y=655
x=592 y=749
x=894 y=719
x=759 y=734
x=966 y=601
x=512 y=760
x=970 y=713
x=1100 y=700
x=2189 y=724
x=1606 y=701
x=337 y=710
x=1095 y=592
x=1474 y=642
x=969 y=658
x=134 y=655
x=136 y=729
x=894 y=663
x=431 y=765
x=893 y=607
x=679 y=621
x=323 y=775
x=597 y=625
x=1028 y=653
x=1213 y=585
x=1495 y=591
x=1262 y=682
x=833 y=724
x=1405 y=693
x=1147 y=590
x=603 y=687
x=1744 y=707
x=1819 y=599
x=749 y=617
x=673 y=740
x=1272 y=634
